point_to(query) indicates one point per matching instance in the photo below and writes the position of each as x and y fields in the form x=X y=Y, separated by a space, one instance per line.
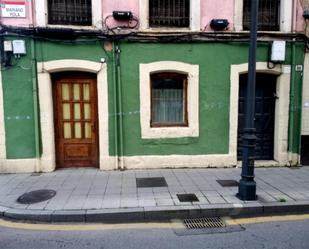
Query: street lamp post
x=247 y=185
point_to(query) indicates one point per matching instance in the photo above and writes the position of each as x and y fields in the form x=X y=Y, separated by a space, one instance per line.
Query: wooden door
x=76 y=121
x=264 y=116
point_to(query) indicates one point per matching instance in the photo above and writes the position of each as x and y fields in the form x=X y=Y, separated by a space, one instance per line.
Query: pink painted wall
x=209 y=9
x=25 y=22
x=121 y=5
x=218 y=9
x=299 y=22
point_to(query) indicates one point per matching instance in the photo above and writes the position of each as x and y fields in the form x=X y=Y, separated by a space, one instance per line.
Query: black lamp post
x=247 y=185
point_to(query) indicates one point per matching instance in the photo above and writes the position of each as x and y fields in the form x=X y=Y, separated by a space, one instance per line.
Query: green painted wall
x=214 y=62
x=18 y=108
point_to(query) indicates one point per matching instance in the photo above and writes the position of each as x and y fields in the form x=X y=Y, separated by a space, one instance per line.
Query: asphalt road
x=270 y=235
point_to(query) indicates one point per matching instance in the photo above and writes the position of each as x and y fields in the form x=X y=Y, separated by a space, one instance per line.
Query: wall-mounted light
x=306 y=14
x=219 y=24
x=122 y=15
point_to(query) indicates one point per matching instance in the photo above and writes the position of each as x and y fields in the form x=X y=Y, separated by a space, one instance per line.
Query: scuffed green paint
x=214 y=60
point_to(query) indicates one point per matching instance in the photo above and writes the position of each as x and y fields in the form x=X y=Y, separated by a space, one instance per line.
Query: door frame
x=283 y=72
x=48 y=158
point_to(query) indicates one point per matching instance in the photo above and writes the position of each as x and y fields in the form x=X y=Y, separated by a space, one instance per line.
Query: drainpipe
x=115 y=106
x=292 y=104
x=119 y=103
x=35 y=104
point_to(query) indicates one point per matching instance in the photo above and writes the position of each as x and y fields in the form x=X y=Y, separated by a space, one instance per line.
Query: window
x=268 y=15
x=168 y=99
x=70 y=12
x=169 y=13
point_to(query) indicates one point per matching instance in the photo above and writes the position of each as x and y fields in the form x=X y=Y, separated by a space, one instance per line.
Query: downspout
x=119 y=111
x=35 y=103
x=115 y=107
x=292 y=104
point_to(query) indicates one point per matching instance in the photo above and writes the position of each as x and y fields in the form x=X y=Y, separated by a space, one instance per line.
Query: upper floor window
x=268 y=15
x=70 y=12
x=169 y=13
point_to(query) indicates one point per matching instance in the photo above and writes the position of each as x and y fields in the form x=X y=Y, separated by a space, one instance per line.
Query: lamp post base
x=247 y=190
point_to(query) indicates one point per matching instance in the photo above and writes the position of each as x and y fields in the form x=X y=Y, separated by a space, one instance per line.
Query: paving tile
x=164 y=202
x=146 y=202
x=129 y=203
x=216 y=200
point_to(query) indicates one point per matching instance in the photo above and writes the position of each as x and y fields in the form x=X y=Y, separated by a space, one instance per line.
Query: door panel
x=265 y=97
x=76 y=121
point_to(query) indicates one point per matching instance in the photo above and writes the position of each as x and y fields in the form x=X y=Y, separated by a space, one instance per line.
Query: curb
x=161 y=213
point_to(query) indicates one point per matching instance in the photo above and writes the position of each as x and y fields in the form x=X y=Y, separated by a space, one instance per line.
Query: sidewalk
x=90 y=195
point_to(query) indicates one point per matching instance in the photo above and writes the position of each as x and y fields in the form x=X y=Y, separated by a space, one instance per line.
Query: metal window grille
x=69 y=12
x=169 y=13
x=268 y=15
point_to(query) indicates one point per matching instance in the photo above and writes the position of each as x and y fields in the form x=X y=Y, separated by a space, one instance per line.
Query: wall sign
x=14 y=9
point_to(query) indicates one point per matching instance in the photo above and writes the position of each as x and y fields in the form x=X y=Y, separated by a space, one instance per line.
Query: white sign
x=15 y=9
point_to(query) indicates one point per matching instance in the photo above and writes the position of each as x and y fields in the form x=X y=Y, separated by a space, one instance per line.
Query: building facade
x=147 y=84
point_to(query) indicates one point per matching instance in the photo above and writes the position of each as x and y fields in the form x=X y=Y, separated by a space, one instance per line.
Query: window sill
x=76 y=27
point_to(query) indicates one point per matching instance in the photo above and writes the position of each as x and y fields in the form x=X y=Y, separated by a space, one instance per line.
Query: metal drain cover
x=151 y=182
x=228 y=183
x=187 y=197
x=201 y=223
x=36 y=196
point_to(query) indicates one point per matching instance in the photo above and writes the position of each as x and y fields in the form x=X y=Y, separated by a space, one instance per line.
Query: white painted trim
x=238 y=13
x=46 y=107
x=41 y=12
x=281 y=108
x=195 y=16
x=2 y=128
x=178 y=161
x=305 y=109
x=193 y=100
x=285 y=15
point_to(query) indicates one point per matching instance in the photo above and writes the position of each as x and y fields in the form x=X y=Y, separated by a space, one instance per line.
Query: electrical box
x=7 y=46
x=278 y=51
x=19 y=47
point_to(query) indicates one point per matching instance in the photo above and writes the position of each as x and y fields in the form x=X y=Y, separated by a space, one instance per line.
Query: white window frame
x=195 y=17
x=285 y=15
x=192 y=130
x=41 y=12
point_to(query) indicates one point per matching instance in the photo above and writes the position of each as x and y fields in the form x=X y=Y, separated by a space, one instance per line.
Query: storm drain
x=151 y=182
x=202 y=223
x=187 y=197
x=36 y=196
x=228 y=183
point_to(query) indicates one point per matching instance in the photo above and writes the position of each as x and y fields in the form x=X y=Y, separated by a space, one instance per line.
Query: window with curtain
x=169 y=13
x=70 y=12
x=268 y=15
x=168 y=99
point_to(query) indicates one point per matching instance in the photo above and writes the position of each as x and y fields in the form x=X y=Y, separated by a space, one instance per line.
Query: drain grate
x=202 y=223
x=151 y=182
x=228 y=183
x=187 y=197
x=36 y=196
